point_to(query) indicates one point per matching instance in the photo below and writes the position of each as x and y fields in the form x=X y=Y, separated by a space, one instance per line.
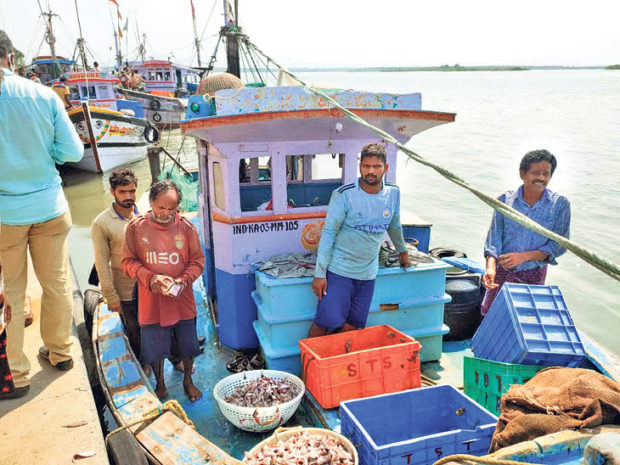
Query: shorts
x=347 y=301
x=156 y=341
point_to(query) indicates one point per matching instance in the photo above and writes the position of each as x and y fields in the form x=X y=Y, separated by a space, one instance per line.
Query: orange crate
x=362 y=363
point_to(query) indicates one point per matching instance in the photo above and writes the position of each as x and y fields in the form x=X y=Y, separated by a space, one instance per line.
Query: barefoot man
x=163 y=253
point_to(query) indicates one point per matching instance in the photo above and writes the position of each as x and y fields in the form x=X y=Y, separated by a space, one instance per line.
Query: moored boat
x=115 y=132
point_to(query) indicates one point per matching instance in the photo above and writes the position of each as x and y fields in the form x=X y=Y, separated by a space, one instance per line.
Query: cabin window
x=167 y=76
x=91 y=92
x=159 y=76
x=218 y=186
x=311 y=179
x=255 y=184
x=151 y=76
x=74 y=93
x=104 y=93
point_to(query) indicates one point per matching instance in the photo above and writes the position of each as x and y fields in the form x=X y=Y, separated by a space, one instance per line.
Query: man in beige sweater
x=108 y=236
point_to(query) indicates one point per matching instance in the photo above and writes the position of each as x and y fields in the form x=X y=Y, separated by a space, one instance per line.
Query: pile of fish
x=263 y=392
x=302 y=449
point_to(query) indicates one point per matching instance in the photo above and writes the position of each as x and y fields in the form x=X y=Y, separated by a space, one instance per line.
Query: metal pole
x=91 y=136
x=196 y=40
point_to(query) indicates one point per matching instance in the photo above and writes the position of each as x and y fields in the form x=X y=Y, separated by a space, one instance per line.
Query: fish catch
x=263 y=392
x=302 y=449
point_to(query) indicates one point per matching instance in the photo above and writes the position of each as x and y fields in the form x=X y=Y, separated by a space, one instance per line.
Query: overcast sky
x=339 y=33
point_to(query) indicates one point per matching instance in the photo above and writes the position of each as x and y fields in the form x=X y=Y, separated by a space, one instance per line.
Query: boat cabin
x=50 y=69
x=163 y=75
x=269 y=161
x=91 y=86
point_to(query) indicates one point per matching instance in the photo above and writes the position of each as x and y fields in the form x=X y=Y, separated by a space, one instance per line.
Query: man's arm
x=196 y=259
x=336 y=213
x=493 y=248
x=67 y=143
x=561 y=226
x=101 y=247
x=131 y=263
x=395 y=231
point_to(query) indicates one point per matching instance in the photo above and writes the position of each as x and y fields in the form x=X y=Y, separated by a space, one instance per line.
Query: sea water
x=500 y=116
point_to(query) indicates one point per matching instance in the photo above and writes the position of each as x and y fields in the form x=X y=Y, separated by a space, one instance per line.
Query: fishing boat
x=166 y=84
x=114 y=131
x=50 y=68
x=269 y=159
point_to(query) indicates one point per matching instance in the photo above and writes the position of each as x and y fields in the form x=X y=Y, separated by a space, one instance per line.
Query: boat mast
x=231 y=31
x=80 y=41
x=50 y=38
x=196 y=40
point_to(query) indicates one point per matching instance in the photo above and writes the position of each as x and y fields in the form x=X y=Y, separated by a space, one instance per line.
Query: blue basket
x=529 y=325
x=416 y=427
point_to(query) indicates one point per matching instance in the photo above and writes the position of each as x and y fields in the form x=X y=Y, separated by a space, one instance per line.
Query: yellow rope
x=170 y=406
x=473 y=458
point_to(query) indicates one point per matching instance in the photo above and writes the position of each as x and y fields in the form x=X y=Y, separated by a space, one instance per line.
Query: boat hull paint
x=120 y=140
x=163 y=112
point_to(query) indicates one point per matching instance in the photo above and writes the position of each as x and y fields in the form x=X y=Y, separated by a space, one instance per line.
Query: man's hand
x=114 y=307
x=488 y=280
x=403 y=259
x=319 y=286
x=160 y=282
x=513 y=259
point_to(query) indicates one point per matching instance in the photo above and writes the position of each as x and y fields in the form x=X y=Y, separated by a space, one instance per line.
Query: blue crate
x=416 y=427
x=529 y=325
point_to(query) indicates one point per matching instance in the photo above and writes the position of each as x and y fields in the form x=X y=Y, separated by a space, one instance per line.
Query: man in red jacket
x=162 y=253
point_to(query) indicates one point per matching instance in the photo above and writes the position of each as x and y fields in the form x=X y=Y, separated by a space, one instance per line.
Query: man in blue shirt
x=358 y=216
x=514 y=253
x=35 y=135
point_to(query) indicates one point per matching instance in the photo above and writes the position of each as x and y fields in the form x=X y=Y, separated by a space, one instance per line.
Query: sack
x=93 y=278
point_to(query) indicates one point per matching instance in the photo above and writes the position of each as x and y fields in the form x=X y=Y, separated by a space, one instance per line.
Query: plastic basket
x=256 y=419
x=360 y=363
x=284 y=433
x=486 y=381
x=529 y=325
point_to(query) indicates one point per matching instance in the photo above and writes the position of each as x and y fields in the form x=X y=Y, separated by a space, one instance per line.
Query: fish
x=263 y=392
x=302 y=448
x=347 y=346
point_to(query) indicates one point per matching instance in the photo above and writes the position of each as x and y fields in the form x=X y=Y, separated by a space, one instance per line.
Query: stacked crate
x=527 y=328
x=411 y=301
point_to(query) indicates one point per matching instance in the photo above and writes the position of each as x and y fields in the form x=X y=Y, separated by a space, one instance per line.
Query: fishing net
x=215 y=82
x=187 y=185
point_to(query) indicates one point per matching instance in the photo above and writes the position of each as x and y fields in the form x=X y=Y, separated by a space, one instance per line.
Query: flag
x=118 y=12
x=114 y=1
x=229 y=12
x=126 y=25
x=120 y=32
x=193 y=10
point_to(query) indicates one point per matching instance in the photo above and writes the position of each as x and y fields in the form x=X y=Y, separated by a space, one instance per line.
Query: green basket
x=486 y=381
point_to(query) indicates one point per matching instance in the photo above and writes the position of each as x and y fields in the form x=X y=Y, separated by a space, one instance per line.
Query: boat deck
x=210 y=367
x=58 y=417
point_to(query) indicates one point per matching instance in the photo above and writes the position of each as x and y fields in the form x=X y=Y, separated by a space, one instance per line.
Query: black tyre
x=156 y=117
x=125 y=450
x=155 y=104
x=91 y=301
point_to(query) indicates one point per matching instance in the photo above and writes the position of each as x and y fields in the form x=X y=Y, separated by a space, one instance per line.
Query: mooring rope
x=473 y=459
x=597 y=261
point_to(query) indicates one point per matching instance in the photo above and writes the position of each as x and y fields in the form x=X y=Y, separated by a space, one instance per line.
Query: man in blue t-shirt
x=358 y=216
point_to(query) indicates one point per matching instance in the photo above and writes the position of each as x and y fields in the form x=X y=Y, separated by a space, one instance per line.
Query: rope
x=597 y=261
x=473 y=458
x=170 y=406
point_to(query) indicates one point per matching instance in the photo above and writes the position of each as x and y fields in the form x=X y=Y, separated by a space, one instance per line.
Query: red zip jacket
x=174 y=250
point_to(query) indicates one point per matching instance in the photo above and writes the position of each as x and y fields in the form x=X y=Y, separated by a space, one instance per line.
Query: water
x=500 y=116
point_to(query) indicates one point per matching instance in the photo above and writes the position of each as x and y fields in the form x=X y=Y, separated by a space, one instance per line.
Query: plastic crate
x=485 y=380
x=360 y=363
x=529 y=325
x=416 y=427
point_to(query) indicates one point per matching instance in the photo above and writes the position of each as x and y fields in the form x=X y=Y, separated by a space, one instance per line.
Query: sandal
x=16 y=393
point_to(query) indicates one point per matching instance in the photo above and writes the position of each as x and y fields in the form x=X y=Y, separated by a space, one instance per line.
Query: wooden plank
x=173 y=442
x=136 y=408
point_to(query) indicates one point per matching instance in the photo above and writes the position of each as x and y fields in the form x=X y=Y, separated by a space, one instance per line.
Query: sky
x=340 y=33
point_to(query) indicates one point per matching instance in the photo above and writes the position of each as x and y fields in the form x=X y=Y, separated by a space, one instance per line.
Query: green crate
x=485 y=380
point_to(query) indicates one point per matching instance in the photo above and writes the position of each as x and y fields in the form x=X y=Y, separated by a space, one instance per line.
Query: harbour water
x=500 y=116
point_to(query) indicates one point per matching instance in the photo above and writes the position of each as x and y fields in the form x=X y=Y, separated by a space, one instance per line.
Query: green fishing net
x=187 y=185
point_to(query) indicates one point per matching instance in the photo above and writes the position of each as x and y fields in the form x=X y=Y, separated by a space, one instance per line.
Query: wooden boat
x=115 y=132
x=258 y=150
x=162 y=109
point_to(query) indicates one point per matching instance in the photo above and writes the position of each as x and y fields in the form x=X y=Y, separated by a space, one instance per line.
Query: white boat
x=115 y=132
x=162 y=111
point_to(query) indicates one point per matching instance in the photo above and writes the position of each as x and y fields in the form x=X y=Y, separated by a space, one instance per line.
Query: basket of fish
x=259 y=400
x=300 y=446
